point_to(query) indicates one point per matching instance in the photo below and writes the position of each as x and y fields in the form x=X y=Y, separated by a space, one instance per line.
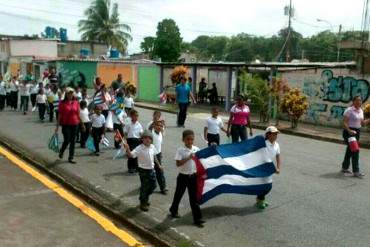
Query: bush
x=294 y=104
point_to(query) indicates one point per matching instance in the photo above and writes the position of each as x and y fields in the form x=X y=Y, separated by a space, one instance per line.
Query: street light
x=338 y=36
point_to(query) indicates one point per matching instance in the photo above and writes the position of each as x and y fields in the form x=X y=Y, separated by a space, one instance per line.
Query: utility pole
x=339 y=39
x=289 y=11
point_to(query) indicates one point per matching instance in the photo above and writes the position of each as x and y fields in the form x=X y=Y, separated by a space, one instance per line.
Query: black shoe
x=175 y=215
x=60 y=156
x=131 y=171
x=97 y=154
x=202 y=221
x=199 y=224
x=72 y=161
x=164 y=192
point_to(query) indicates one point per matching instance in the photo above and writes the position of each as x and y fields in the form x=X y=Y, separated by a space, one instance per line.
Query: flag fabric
x=239 y=168
x=98 y=99
x=105 y=141
x=163 y=97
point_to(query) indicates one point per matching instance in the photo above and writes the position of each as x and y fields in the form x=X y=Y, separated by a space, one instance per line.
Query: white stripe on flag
x=241 y=163
x=234 y=180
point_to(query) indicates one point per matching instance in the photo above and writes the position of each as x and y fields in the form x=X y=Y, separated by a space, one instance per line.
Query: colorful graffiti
x=75 y=74
x=328 y=95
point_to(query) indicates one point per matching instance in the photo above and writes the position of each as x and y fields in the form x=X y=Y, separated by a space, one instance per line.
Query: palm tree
x=102 y=25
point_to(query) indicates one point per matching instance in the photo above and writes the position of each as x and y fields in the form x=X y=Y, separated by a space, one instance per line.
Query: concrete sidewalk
x=306 y=204
x=317 y=132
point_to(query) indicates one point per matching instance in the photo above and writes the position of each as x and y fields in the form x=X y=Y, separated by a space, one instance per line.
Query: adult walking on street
x=352 y=123
x=239 y=120
x=69 y=119
x=118 y=83
x=183 y=92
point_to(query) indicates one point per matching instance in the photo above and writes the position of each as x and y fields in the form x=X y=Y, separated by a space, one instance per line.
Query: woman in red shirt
x=239 y=119
x=69 y=119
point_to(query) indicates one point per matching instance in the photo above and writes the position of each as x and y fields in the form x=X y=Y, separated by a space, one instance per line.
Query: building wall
x=39 y=48
x=329 y=91
x=148 y=83
x=80 y=73
x=73 y=49
x=108 y=72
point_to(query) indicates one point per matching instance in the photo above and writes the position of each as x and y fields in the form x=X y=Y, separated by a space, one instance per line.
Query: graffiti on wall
x=329 y=96
x=71 y=78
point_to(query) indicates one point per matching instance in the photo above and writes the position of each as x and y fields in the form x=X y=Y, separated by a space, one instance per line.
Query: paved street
x=33 y=215
x=311 y=204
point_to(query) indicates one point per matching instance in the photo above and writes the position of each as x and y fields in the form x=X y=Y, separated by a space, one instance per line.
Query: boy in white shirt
x=146 y=155
x=212 y=129
x=98 y=128
x=156 y=118
x=118 y=124
x=33 y=94
x=133 y=131
x=14 y=84
x=129 y=103
x=187 y=178
x=86 y=122
x=41 y=100
x=273 y=151
x=24 y=91
x=157 y=133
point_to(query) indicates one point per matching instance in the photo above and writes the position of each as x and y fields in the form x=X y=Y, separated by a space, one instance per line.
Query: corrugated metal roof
x=100 y=60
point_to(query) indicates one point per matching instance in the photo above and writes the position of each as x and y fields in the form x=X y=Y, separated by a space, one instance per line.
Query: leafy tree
x=168 y=42
x=210 y=47
x=102 y=25
x=147 y=45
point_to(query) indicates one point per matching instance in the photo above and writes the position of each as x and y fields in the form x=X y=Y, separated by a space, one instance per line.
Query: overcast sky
x=194 y=17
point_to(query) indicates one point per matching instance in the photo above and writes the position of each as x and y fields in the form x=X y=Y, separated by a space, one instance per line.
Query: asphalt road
x=311 y=203
x=33 y=215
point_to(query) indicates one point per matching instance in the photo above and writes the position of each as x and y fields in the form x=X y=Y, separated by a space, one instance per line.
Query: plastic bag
x=54 y=143
x=109 y=121
x=90 y=144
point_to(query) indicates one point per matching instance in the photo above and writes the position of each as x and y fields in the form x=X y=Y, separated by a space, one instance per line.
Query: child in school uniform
x=33 y=94
x=41 y=101
x=98 y=128
x=212 y=129
x=273 y=151
x=133 y=131
x=85 y=120
x=24 y=91
x=156 y=118
x=187 y=178
x=128 y=102
x=118 y=124
x=146 y=155
x=157 y=133
x=2 y=93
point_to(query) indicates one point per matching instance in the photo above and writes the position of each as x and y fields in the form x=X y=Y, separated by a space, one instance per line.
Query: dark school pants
x=351 y=156
x=33 y=99
x=14 y=99
x=116 y=126
x=160 y=173
x=24 y=103
x=97 y=134
x=213 y=138
x=42 y=108
x=132 y=162
x=147 y=184
x=186 y=182
x=2 y=102
x=69 y=135
x=85 y=134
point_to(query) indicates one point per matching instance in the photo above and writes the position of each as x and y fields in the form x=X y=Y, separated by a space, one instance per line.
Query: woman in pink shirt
x=69 y=119
x=352 y=123
x=239 y=119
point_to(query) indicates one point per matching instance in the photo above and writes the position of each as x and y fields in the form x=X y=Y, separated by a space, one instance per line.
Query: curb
x=92 y=195
x=263 y=127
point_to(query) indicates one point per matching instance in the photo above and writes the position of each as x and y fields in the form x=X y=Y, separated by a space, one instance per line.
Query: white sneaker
x=359 y=175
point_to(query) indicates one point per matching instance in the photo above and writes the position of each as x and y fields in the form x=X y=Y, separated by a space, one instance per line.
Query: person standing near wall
x=53 y=77
x=69 y=119
x=2 y=93
x=239 y=119
x=202 y=92
x=183 y=92
x=118 y=83
x=352 y=123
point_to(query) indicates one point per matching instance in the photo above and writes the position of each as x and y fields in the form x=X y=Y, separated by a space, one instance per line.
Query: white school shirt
x=79 y=96
x=272 y=149
x=41 y=99
x=157 y=140
x=24 y=90
x=214 y=125
x=145 y=156
x=133 y=130
x=98 y=121
x=2 y=88
x=14 y=86
x=120 y=118
x=84 y=115
x=129 y=102
x=34 y=89
x=189 y=167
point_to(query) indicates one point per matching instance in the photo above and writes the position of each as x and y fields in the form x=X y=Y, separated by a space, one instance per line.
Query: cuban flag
x=240 y=168
x=98 y=99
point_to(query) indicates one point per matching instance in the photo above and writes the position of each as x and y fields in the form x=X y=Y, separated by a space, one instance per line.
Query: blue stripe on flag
x=263 y=170
x=261 y=189
x=233 y=149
